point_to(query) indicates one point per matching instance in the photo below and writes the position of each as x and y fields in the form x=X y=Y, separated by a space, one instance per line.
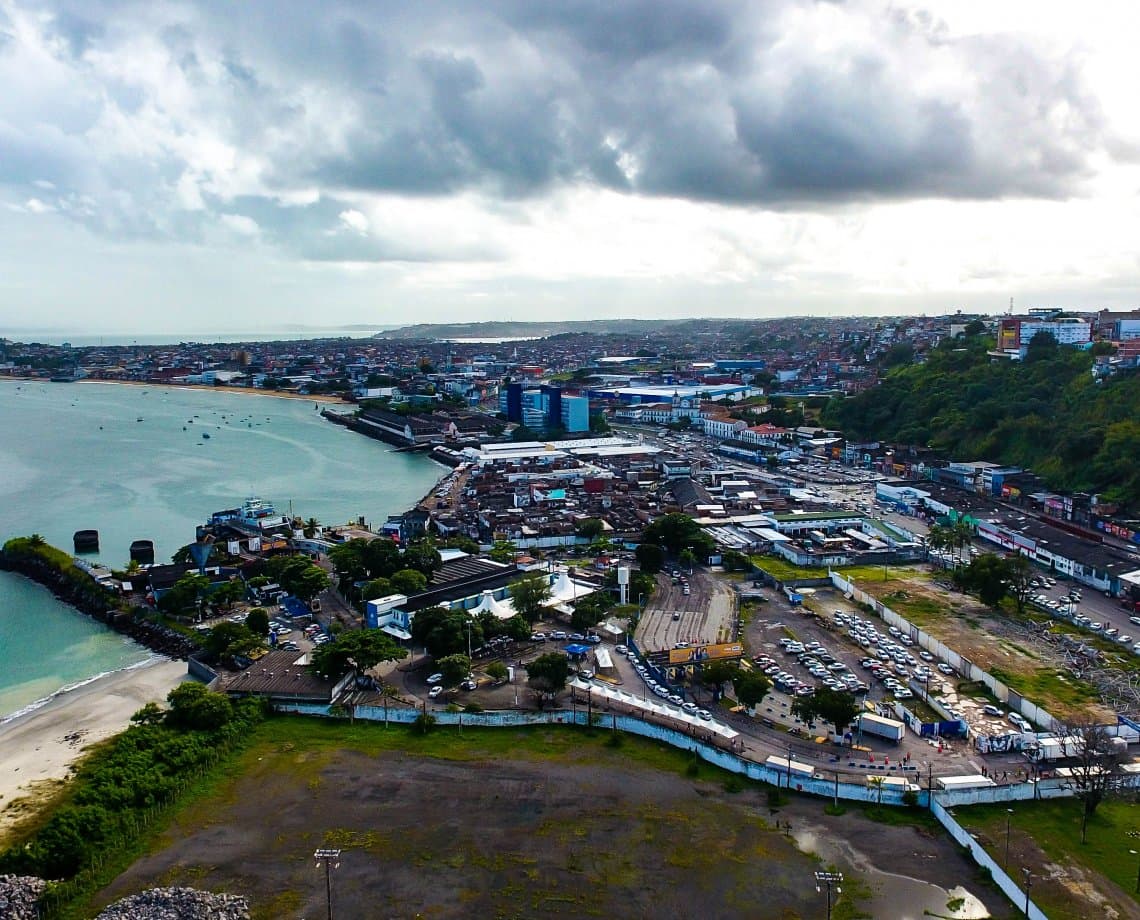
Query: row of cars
x=829 y=671
x=561 y=636
x=660 y=690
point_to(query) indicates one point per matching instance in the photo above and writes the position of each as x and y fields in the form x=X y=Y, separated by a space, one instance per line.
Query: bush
x=424 y=723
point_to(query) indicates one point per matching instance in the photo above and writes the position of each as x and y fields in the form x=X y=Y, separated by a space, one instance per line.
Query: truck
x=871 y=724
x=1046 y=750
x=966 y=781
x=791 y=767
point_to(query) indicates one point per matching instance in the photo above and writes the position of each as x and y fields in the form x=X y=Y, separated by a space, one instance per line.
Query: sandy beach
x=38 y=748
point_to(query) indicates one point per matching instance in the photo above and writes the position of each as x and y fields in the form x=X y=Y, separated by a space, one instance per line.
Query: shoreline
x=201 y=387
x=196 y=387
x=39 y=746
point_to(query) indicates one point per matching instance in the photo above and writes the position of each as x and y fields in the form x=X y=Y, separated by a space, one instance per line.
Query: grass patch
x=898 y=817
x=1053 y=826
x=1050 y=688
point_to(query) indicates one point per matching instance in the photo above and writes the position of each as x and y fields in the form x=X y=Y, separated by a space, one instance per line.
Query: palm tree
x=312 y=525
x=35 y=541
x=962 y=533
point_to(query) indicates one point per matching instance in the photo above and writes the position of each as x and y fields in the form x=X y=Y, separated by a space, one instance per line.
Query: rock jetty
x=178 y=904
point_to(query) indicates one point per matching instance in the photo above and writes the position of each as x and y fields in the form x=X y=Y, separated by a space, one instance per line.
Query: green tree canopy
x=834 y=706
x=529 y=595
x=454 y=669
x=444 y=632
x=194 y=707
x=676 y=532
x=408 y=581
x=650 y=557
x=547 y=675
x=359 y=648
x=257 y=622
x=751 y=687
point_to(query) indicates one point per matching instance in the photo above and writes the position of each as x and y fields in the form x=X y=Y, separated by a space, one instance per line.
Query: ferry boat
x=255 y=517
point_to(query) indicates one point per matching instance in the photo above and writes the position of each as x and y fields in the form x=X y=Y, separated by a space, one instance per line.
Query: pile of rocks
x=19 y=895
x=178 y=904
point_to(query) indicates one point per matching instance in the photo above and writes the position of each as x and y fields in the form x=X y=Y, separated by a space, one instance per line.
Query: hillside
x=537 y=330
x=1046 y=413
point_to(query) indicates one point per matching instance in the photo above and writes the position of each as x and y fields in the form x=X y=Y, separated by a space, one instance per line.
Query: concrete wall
x=982 y=858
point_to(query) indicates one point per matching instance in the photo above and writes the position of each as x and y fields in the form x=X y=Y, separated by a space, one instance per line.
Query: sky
x=205 y=165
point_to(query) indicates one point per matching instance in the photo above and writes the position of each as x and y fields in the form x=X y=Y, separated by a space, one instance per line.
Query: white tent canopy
x=654 y=707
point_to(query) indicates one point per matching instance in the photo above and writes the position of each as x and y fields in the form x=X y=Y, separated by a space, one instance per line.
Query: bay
x=131 y=463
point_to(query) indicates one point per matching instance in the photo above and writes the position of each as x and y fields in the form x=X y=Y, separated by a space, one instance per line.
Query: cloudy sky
x=195 y=166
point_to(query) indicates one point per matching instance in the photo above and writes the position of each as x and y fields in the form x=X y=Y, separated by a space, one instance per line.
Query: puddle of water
x=897 y=896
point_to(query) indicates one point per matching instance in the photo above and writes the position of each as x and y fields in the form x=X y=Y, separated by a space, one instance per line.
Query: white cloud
x=680 y=155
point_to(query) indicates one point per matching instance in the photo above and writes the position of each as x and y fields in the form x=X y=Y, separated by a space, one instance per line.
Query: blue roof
x=578 y=649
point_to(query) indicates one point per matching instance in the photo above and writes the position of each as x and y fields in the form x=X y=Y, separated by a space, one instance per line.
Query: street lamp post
x=331 y=859
x=826 y=880
x=1008 y=819
x=1028 y=884
x=1135 y=835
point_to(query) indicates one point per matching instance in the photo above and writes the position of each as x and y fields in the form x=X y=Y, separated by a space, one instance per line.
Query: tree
x=547 y=675
x=1019 y=574
x=675 y=532
x=359 y=648
x=988 y=577
x=497 y=671
x=503 y=551
x=445 y=632
x=229 y=639
x=257 y=621
x=734 y=561
x=377 y=587
x=1095 y=763
x=834 y=706
x=590 y=528
x=454 y=669
x=460 y=542
x=185 y=593
x=686 y=558
x=299 y=576
x=408 y=581
x=529 y=595
x=751 y=687
x=650 y=557
x=310 y=528
x=715 y=674
x=196 y=708
x=150 y=714
x=422 y=556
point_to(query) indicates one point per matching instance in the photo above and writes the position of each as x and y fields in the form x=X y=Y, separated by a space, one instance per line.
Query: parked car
x=436 y=678
x=435 y=691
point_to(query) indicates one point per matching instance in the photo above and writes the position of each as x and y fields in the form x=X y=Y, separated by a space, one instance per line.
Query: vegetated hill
x=1045 y=413
x=528 y=330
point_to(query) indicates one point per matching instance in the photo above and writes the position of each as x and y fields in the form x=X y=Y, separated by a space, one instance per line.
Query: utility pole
x=826 y=880
x=331 y=859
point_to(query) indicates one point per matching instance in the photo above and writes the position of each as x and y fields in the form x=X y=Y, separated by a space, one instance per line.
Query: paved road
x=705 y=615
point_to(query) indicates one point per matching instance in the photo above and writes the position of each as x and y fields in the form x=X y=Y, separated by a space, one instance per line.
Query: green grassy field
x=1052 y=829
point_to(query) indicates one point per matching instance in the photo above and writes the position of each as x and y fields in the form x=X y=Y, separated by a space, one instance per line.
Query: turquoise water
x=46 y=646
x=76 y=456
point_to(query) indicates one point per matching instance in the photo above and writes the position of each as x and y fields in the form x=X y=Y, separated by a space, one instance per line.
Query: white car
x=436 y=678
x=945 y=668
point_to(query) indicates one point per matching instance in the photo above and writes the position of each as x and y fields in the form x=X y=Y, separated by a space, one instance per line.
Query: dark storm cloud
x=700 y=100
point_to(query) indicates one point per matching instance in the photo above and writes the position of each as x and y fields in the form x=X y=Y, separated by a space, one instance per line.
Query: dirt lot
x=563 y=826
x=996 y=644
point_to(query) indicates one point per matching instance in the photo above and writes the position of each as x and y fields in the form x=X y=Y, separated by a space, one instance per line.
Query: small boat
x=206 y=435
x=139 y=419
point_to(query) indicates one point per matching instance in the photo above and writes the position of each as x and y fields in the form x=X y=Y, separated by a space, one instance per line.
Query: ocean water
x=47 y=646
x=131 y=463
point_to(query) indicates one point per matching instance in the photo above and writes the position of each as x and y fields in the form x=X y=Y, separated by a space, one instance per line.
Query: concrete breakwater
x=80 y=591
